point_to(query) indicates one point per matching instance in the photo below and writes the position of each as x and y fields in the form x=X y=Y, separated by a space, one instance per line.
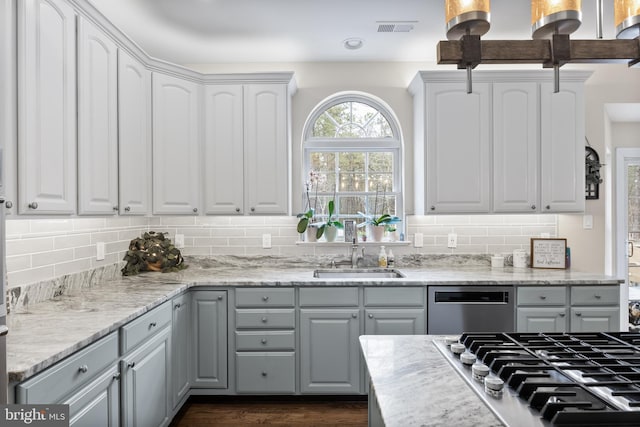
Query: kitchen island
x=415 y=386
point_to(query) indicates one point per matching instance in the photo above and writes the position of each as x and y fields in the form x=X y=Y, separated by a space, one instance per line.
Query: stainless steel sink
x=358 y=273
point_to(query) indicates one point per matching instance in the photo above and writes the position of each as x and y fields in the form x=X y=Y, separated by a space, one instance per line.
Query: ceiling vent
x=395 y=27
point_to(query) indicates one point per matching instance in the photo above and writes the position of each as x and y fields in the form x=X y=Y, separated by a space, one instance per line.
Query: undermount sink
x=358 y=273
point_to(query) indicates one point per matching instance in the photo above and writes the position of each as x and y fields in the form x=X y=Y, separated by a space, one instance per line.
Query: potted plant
x=307 y=221
x=330 y=227
x=378 y=224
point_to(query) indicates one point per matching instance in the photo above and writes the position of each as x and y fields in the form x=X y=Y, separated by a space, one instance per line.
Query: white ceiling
x=240 y=31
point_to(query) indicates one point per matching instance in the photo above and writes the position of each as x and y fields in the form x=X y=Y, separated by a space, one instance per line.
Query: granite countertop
x=44 y=333
x=416 y=386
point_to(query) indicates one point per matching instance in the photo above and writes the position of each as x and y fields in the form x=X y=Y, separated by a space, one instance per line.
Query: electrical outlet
x=100 y=251
x=179 y=241
x=418 y=240
x=266 y=241
x=452 y=240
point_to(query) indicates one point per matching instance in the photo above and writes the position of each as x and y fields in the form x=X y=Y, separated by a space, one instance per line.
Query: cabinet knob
x=178 y=305
x=84 y=369
x=238 y=210
x=152 y=325
x=115 y=209
x=263 y=340
x=265 y=298
x=195 y=210
x=264 y=320
x=253 y=209
x=597 y=296
x=116 y=376
x=127 y=208
x=354 y=315
x=543 y=297
x=131 y=364
x=533 y=207
x=8 y=204
x=219 y=297
x=547 y=207
x=264 y=374
x=33 y=205
x=561 y=314
x=578 y=314
x=370 y=316
x=433 y=208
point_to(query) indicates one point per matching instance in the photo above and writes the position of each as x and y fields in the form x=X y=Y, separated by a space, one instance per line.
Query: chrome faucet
x=353 y=261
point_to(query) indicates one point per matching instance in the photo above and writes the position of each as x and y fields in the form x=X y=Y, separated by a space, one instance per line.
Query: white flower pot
x=311 y=233
x=377 y=232
x=330 y=233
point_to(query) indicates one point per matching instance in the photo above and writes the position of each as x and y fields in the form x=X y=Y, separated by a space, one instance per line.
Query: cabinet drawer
x=266 y=340
x=332 y=297
x=264 y=297
x=265 y=319
x=61 y=379
x=542 y=295
x=404 y=297
x=145 y=326
x=595 y=295
x=265 y=372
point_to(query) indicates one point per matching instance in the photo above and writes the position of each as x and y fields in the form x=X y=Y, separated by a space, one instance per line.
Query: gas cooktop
x=552 y=379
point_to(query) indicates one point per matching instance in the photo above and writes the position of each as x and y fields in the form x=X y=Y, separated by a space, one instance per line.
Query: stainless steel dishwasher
x=457 y=309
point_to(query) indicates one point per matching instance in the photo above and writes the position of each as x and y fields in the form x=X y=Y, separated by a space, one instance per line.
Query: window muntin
x=353 y=144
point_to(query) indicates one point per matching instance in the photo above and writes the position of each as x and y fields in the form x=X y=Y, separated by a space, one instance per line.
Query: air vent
x=395 y=27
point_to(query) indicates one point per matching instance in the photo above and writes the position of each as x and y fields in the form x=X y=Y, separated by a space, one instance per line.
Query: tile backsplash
x=43 y=249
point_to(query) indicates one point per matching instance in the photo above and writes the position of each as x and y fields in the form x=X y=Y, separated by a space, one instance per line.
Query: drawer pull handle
x=264 y=320
x=265 y=298
x=84 y=369
x=354 y=315
x=598 y=296
x=370 y=316
x=561 y=314
x=543 y=297
x=578 y=314
x=264 y=374
x=152 y=325
x=263 y=340
x=131 y=364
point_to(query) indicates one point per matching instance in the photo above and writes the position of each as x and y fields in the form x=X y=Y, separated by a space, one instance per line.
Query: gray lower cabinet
x=97 y=404
x=265 y=372
x=209 y=328
x=180 y=348
x=329 y=351
x=394 y=321
x=146 y=379
x=542 y=319
x=595 y=308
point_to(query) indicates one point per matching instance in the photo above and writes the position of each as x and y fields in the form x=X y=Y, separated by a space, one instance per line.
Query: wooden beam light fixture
x=552 y=21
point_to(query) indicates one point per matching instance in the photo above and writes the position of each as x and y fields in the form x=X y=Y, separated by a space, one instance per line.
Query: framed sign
x=548 y=253
x=349 y=230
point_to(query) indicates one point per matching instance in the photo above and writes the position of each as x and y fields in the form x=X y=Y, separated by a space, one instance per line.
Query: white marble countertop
x=416 y=386
x=44 y=333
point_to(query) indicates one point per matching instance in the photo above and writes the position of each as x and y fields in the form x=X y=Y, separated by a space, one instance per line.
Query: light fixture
x=552 y=22
x=467 y=20
x=353 y=43
x=627 y=18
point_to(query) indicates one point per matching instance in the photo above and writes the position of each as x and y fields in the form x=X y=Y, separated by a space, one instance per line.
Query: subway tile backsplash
x=44 y=249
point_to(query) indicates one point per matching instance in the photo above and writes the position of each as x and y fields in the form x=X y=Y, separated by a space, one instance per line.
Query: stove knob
x=457 y=348
x=493 y=386
x=451 y=340
x=467 y=358
x=479 y=371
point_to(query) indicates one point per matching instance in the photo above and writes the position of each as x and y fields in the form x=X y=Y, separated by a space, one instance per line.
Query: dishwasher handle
x=471 y=297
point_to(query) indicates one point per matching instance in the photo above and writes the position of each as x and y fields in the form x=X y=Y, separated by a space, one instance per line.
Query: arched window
x=352 y=147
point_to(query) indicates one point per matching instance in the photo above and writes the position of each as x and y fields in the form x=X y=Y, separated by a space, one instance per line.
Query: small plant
x=330 y=221
x=307 y=218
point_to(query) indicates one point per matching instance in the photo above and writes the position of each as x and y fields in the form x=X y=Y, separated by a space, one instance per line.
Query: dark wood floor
x=277 y=411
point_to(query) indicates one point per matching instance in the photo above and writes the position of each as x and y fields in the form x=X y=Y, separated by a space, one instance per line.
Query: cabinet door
x=134 y=138
x=181 y=346
x=145 y=373
x=265 y=372
x=97 y=121
x=329 y=351
x=97 y=404
x=46 y=107
x=458 y=126
x=209 y=314
x=595 y=319
x=541 y=319
x=562 y=148
x=515 y=147
x=8 y=102
x=176 y=139
x=266 y=149
x=398 y=321
x=224 y=150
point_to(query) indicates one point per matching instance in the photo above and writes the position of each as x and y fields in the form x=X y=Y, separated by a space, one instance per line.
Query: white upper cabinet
x=247 y=149
x=515 y=147
x=457 y=148
x=134 y=138
x=97 y=121
x=46 y=107
x=562 y=147
x=266 y=149
x=8 y=113
x=224 y=149
x=176 y=140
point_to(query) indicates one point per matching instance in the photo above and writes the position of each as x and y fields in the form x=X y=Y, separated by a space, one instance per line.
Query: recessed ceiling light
x=353 y=43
